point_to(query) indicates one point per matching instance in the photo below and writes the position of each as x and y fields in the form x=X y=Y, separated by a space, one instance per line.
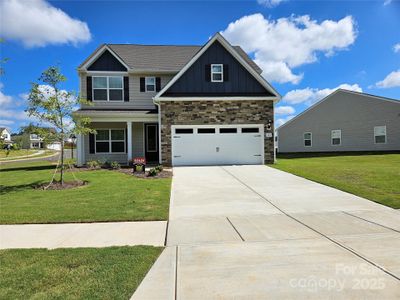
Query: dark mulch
x=162 y=174
x=56 y=185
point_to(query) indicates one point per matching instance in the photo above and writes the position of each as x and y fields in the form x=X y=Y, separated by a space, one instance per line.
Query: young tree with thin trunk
x=54 y=107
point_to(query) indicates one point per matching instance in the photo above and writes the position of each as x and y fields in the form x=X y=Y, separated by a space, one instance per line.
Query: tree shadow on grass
x=27 y=168
x=5 y=189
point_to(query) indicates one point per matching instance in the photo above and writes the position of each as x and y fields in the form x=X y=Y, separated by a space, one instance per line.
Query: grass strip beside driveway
x=83 y=273
x=374 y=177
x=109 y=196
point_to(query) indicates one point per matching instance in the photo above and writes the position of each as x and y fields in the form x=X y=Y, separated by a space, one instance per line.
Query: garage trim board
x=217 y=144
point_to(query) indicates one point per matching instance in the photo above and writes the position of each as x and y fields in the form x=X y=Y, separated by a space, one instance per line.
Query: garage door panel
x=217 y=149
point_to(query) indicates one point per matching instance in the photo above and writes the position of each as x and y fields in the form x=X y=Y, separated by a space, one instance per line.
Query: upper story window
x=380 y=134
x=307 y=139
x=150 y=83
x=108 y=88
x=336 y=137
x=217 y=73
x=34 y=136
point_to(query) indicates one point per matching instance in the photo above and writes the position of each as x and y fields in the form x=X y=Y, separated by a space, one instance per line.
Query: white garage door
x=217 y=145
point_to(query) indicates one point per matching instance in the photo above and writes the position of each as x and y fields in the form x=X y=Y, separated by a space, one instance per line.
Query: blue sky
x=341 y=43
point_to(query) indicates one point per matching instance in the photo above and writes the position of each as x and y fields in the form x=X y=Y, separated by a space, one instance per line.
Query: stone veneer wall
x=215 y=113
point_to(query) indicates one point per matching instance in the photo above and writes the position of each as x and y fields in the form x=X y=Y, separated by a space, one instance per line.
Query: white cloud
x=284 y=110
x=4 y=99
x=387 y=2
x=36 y=23
x=270 y=3
x=6 y=122
x=282 y=121
x=391 y=80
x=311 y=95
x=396 y=48
x=281 y=45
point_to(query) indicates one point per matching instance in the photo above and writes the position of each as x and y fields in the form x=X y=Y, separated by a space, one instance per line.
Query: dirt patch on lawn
x=145 y=175
x=56 y=185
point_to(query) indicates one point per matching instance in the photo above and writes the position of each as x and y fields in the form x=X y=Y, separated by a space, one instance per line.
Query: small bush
x=159 y=168
x=15 y=147
x=70 y=161
x=93 y=164
x=152 y=172
x=115 y=165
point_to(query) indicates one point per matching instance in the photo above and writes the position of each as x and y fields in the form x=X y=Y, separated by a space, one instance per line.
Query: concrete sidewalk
x=74 y=235
x=253 y=232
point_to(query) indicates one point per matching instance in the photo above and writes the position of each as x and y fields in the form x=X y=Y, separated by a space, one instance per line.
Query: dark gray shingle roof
x=164 y=58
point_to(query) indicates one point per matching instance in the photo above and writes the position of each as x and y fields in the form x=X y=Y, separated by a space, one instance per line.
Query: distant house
x=36 y=142
x=5 y=135
x=344 y=121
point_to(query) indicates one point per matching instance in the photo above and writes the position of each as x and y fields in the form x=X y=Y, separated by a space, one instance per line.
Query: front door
x=151 y=142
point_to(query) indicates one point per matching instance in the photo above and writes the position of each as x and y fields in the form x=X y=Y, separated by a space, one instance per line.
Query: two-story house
x=176 y=105
x=5 y=135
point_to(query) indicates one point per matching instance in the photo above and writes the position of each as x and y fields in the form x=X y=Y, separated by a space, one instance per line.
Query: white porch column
x=129 y=133
x=79 y=150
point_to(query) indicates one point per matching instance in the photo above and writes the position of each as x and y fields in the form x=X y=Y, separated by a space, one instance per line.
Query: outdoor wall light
x=269 y=127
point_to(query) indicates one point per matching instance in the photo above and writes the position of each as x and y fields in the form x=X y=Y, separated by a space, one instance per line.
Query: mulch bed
x=162 y=174
x=56 y=185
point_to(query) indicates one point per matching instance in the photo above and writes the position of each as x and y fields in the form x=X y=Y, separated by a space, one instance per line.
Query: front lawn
x=81 y=273
x=374 y=177
x=109 y=196
x=23 y=153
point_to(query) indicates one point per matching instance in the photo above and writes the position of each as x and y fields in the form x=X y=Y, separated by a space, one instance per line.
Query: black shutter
x=126 y=88
x=207 y=72
x=226 y=72
x=89 y=88
x=91 y=143
x=142 y=84
x=158 y=84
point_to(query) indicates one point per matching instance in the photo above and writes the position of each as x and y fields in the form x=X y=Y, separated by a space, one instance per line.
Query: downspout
x=159 y=129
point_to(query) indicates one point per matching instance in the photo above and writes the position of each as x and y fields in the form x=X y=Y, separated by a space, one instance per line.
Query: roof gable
x=106 y=62
x=243 y=80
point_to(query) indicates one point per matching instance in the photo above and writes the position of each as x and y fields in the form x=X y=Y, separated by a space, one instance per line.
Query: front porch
x=120 y=140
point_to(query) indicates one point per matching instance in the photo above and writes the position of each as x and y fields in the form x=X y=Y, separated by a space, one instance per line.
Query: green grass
x=23 y=153
x=109 y=196
x=374 y=177
x=82 y=273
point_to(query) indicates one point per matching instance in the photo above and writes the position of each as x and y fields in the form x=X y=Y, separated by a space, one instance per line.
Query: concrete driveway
x=253 y=232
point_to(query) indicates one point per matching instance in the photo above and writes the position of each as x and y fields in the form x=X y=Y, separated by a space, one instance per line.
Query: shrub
x=15 y=147
x=104 y=163
x=152 y=172
x=115 y=165
x=93 y=164
x=159 y=168
x=70 y=161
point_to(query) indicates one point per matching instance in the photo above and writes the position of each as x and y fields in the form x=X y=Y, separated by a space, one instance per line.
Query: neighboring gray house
x=344 y=121
x=176 y=105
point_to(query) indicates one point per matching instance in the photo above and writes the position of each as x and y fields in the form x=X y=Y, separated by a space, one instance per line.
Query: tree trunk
x=62 y=163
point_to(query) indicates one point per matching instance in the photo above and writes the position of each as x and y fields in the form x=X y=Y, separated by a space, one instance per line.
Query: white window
x=150 y=83
x=34 y=136
x=108 y=88
x=110 y=141
x=380 y=134
x=307 y=139
x=336 y=137
x=217 y=73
